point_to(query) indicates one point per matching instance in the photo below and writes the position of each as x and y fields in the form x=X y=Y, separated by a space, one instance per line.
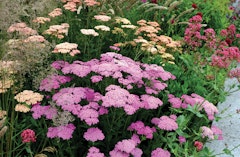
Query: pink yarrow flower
x=94 y=134
x=159 y=152
x=165 y=123
x=64 y=131
x=28 y=136
x=94 y=152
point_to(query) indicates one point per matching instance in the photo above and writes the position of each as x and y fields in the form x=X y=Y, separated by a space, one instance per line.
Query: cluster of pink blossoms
x=94 y=152
x=211 y=132
x=22 y=29
x=166 y=123
x=28 y=135
x=114 y=65
x=65 y=131
x=127 y=147
x=159 y=152
x=235 y=73
x=223 y=57
x=210 y=38
x=129 y=73
x=193 y=100
x=141 y=129
x=192 y=34
x=229 y=34
x=53 y=82
x=93 y=134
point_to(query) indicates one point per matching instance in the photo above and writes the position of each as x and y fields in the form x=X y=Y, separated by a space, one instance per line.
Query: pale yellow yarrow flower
x=103 y=18
x=102 y=28
x=29 y=97
x=129 y=26
x=89 y=32
x=122 y=20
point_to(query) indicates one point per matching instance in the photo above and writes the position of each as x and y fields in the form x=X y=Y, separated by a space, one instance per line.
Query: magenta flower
x=47 y=111
x=126 y=146
x=119 y=97
x=114 y=48
x=58 y=65
x=207 y=132
x=94 y=134
x=151 y=102
x=96 y=79
x=78 y=68
x=94 y=152
x=28 y=136
x=181 y=139
x=159 y=152
x=64 y=131
x=165 y=123
x=217 y=132
x=176 y=102
x=142 y=129
x=89 y=115
x=53 y=82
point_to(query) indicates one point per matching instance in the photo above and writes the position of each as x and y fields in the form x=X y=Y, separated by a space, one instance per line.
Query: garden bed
x=114 y=78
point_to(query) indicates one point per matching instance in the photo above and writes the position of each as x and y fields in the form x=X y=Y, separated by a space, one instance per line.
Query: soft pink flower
x=176 y=102
x=56 y=12
x=102 y=17
x=94 y=152
x=181 y=139
x=64 y=131
x=94 y=134
x=165 y=123
x=53 y=82
x=47 y=111
x=96 y=78
x=137 y=152
x=151 y=102
x=28 y=135
x=207 y=132
x=218 y=132
x=159 y=152
x=142 y=129
x=126 y=146
x=198 y=145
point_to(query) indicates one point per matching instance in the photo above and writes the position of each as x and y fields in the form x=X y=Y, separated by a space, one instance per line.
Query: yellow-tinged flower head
x=29 y=97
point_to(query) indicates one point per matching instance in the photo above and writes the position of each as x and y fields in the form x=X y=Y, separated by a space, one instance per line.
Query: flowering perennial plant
x=28 y=135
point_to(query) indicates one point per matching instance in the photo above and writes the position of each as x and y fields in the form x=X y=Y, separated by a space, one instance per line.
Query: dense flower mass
x=65 y=132
x=159 y=152
x=28 y=135
x=94 y=152
x=141 y=129
x=93 y=134
x=58 y=30
x=193 y=36
x=53 y=82
x=165 y=123
x=22 y=29
x=29 y=97
x=66 y=47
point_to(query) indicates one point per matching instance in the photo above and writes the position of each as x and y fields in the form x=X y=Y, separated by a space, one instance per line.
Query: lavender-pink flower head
x=93 y=134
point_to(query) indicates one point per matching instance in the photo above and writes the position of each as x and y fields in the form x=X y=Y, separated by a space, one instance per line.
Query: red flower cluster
x=194 y=6
x=154 y=1
x=229 y=34
x=198 y=145
x=28 y=135
x=192 y=33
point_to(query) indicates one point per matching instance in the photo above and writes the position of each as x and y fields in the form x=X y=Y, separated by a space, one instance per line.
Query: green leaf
x=227 y=151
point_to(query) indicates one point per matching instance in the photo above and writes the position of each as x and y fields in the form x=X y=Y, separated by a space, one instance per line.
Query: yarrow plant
x=90 y=107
